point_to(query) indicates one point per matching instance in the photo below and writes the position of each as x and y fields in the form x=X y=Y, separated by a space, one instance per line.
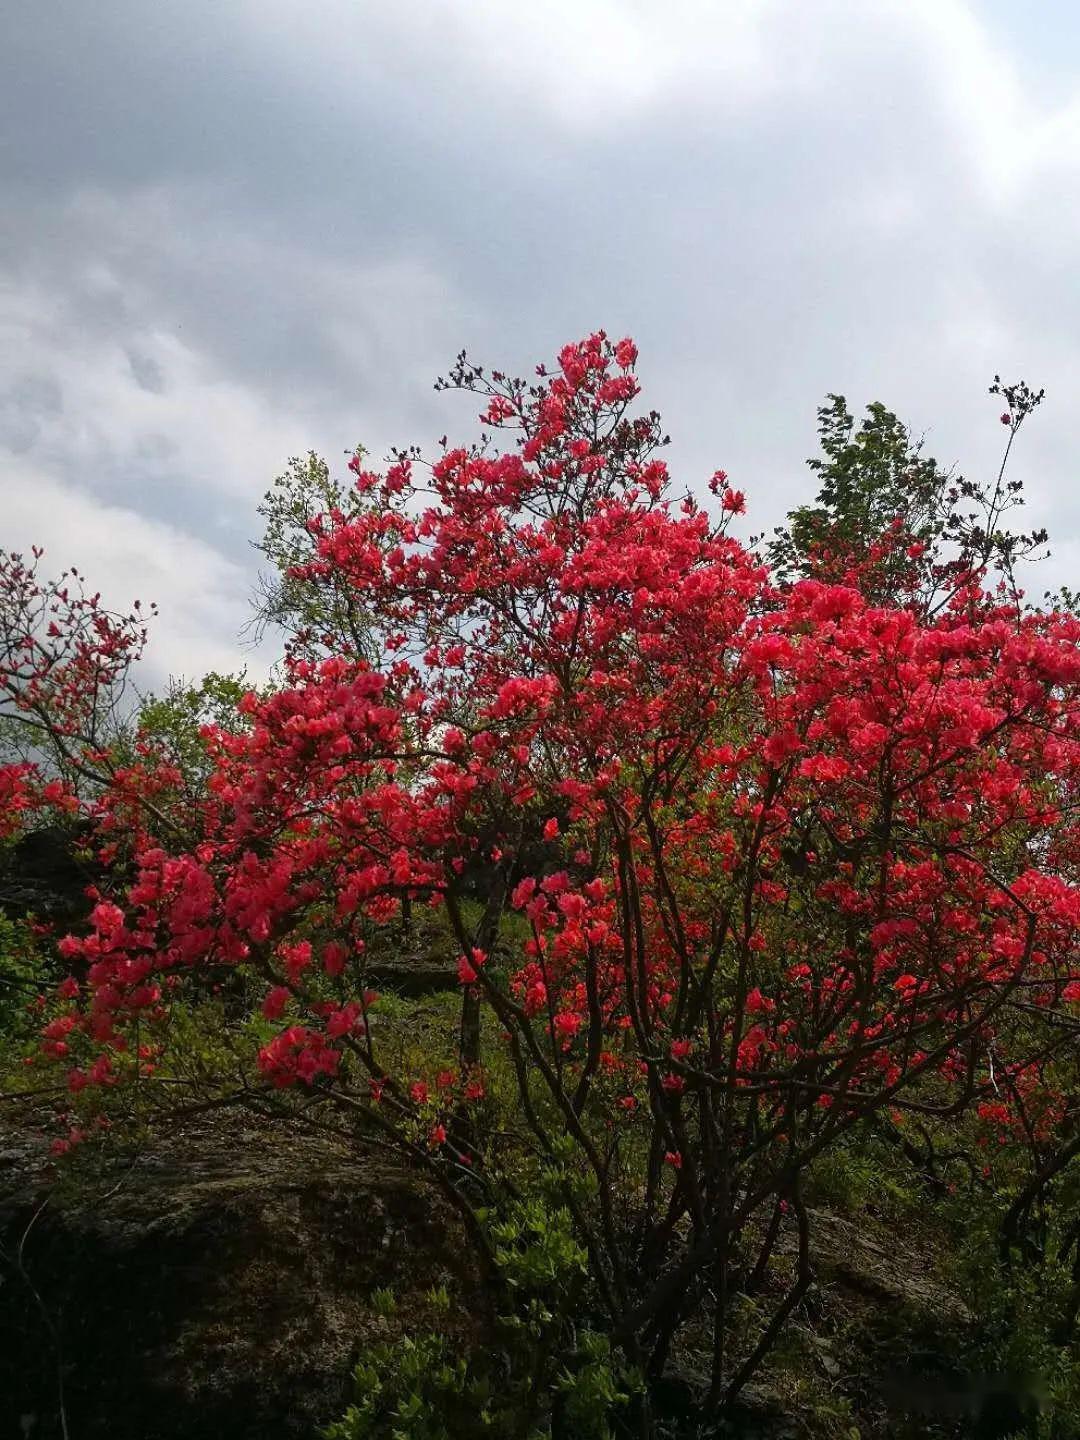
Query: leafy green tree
x=172 y=724
x=318 y=617
x=914 y=532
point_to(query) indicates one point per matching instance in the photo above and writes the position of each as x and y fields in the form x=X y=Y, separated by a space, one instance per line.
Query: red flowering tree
x=755 y=865
x=64 y=662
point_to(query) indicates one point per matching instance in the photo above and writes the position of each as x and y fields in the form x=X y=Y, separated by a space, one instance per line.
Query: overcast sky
x=233 y=232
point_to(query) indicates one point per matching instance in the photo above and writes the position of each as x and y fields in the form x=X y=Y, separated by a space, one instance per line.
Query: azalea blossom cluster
x=758 y=861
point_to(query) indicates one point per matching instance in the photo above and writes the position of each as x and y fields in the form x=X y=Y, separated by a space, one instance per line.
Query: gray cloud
x=235 y=231
x=25 y=406
x=147 y=372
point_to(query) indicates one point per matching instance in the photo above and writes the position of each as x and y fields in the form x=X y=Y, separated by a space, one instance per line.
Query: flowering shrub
x=756 y=862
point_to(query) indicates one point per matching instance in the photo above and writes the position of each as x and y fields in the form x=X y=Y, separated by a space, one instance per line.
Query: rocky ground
x=214 y=1286
x=217 y=1284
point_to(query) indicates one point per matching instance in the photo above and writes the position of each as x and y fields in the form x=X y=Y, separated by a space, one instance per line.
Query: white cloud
x=277 y=244
x=142 y=388
x=131 y=449
x=128 y=557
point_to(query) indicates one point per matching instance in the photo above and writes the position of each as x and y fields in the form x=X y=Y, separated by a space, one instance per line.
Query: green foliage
x=867 y=476
x=1020 y=1306
x=420 y=1387
x=315 y=616
x=413 y=1389
x=185 y=707
x=21 y=979
x=860 y=1175
x=172 y=722
x=593 y=1387
x=536 y=1250
x=547 y=1368
x=875 y=479
x=383 y=1301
